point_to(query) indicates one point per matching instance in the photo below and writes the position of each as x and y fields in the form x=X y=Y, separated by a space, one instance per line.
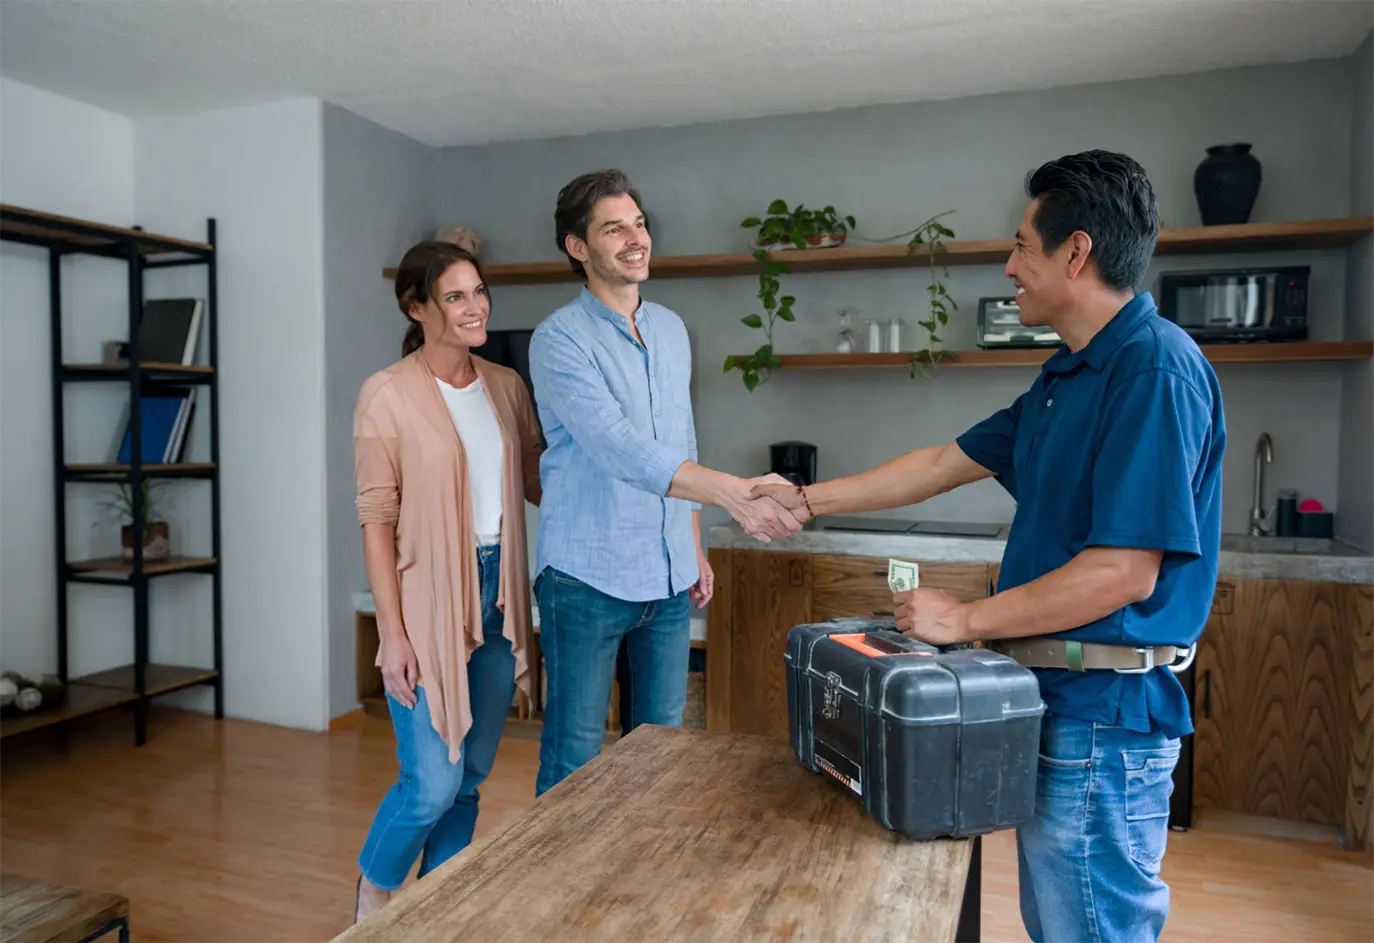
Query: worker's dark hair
x=420 y=268
x=1106 y=195
x=573 y=214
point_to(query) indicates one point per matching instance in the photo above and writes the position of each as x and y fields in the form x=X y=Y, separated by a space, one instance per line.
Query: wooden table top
x=39 y=912
x=677 y=834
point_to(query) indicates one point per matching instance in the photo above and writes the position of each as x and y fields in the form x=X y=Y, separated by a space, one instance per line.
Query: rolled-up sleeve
x=376 y=468
x=567 y=382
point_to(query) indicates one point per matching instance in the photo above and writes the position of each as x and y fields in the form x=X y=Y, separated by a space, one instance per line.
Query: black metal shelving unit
x=137 y=683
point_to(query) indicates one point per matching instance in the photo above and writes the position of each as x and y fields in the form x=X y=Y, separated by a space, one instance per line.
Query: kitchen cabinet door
x=849 y=587
x=770 y=593
x=1273 y=713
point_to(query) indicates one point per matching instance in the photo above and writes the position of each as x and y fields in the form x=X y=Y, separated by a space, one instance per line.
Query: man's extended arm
x=910 y=479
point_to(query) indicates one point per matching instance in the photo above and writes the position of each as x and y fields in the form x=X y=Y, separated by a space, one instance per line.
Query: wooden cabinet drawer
x=845 y=586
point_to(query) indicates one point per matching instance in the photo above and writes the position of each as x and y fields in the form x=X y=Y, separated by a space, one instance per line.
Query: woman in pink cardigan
x=447 y=451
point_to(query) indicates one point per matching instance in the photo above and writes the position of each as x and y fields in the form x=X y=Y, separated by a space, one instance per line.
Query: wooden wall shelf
x=1194 y=240
x=1296 y=352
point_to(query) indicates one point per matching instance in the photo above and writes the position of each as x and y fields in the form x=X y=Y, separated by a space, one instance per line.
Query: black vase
x=1226 y=183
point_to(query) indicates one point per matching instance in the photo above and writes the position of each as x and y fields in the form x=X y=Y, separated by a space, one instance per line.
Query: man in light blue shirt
x=620 y=552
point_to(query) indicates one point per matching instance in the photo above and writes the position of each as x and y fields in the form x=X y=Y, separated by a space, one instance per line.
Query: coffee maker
x=795 y=461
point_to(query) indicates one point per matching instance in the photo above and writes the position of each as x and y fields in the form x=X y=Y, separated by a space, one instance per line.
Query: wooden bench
x=677 y=834
x=38 y=912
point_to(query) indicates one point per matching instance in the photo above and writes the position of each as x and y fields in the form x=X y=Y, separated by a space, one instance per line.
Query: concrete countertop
x=1339 y=563
x=362 y=602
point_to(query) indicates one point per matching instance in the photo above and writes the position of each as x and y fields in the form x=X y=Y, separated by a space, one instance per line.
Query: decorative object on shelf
x=874 y=330
x=465 y=237
x=784 y=229
x=156 y=533
x=20 y=694
x=845 y=343
x=1226 y=184
x=895 y=329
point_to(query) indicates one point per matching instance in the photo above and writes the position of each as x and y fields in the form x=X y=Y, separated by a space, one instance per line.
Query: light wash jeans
x=431 y=810
x=1089 y=860
x=580 y=629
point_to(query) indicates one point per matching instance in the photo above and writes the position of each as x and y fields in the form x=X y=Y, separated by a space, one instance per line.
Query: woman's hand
x=400 y=670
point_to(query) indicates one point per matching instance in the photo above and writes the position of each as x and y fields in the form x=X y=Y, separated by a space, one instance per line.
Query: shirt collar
x=1106 y=341
x=598 y=307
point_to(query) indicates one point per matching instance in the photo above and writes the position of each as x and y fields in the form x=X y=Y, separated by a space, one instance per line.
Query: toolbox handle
x=882 y=642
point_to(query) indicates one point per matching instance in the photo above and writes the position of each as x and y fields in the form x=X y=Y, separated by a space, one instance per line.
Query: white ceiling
x=449 y=72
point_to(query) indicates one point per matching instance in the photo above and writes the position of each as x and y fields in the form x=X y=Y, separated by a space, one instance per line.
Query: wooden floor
x=236 y=831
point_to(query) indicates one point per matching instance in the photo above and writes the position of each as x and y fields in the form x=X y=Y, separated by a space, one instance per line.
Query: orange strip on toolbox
x=856 y=641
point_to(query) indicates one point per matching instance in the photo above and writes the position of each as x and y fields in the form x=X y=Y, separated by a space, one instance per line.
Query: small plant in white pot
x=119 y=504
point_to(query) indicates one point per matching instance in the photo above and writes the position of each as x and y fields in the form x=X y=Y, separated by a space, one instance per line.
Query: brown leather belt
x=1090 y=656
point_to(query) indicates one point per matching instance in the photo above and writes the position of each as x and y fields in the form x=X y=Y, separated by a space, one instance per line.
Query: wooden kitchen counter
x=685 y=835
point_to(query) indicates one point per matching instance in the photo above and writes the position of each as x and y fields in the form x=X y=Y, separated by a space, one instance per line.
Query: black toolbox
x=935 y=743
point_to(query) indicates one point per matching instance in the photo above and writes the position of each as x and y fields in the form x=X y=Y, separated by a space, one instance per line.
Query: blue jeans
x=580 y=629
x=1089 y=860
x=431 y=810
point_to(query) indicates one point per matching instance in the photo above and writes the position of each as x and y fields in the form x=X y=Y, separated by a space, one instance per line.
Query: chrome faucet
x=1264 y=455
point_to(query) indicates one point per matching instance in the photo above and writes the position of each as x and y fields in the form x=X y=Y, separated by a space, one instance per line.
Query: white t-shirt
x=481 y=435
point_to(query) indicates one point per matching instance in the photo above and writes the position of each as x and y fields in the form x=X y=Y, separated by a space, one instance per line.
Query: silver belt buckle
x=1148 y=654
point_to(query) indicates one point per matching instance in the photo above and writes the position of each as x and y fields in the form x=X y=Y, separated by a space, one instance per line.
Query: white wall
x=377 y=203
x=258 y=171
x=64 y=157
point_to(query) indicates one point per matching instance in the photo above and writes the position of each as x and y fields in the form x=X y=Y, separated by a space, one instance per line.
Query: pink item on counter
x=1310 y=505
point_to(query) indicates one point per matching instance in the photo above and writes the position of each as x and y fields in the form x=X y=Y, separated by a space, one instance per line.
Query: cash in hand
x=902 y=576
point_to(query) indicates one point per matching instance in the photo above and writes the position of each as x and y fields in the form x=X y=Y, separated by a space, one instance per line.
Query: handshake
x=767 y=508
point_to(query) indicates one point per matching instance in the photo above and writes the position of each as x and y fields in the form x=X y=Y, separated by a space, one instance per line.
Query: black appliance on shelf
x=509 y=349
x=1228 y=306
x=795 y=461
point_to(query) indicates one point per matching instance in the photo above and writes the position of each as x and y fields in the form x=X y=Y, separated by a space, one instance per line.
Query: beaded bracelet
x=801 y=490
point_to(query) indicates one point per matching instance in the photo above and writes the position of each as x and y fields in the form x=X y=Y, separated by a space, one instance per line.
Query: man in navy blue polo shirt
x=1114 y=458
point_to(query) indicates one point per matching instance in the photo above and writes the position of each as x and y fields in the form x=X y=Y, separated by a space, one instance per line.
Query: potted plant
x=783 y=229
x=156 y=532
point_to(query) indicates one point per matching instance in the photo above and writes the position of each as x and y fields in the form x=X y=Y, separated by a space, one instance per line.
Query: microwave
x=1237 y=305
x=999 y=325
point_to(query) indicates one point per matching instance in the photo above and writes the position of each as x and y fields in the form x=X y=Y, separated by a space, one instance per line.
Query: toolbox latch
x=830 y=704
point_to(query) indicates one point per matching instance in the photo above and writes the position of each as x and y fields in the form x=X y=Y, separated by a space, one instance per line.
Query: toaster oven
x=999 y=325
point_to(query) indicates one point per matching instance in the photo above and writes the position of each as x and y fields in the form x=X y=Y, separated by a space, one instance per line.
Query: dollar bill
x=902 y=576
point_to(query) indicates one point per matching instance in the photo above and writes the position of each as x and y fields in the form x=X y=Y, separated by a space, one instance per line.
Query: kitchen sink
x=1246 y=543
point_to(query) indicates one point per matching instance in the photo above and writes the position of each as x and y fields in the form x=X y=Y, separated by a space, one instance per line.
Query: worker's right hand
x=400 y=670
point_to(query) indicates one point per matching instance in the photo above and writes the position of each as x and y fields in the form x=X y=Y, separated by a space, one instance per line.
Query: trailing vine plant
x=932 y=234
x=803 y=228
x=800 y=227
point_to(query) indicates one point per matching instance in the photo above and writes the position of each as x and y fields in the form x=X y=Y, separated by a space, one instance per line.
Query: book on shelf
x=166 y=418
x=169 y=330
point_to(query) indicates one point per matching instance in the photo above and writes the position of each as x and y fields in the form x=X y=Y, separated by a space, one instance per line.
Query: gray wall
x=1355 y=505
x=377 y=203
x=892 y=166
